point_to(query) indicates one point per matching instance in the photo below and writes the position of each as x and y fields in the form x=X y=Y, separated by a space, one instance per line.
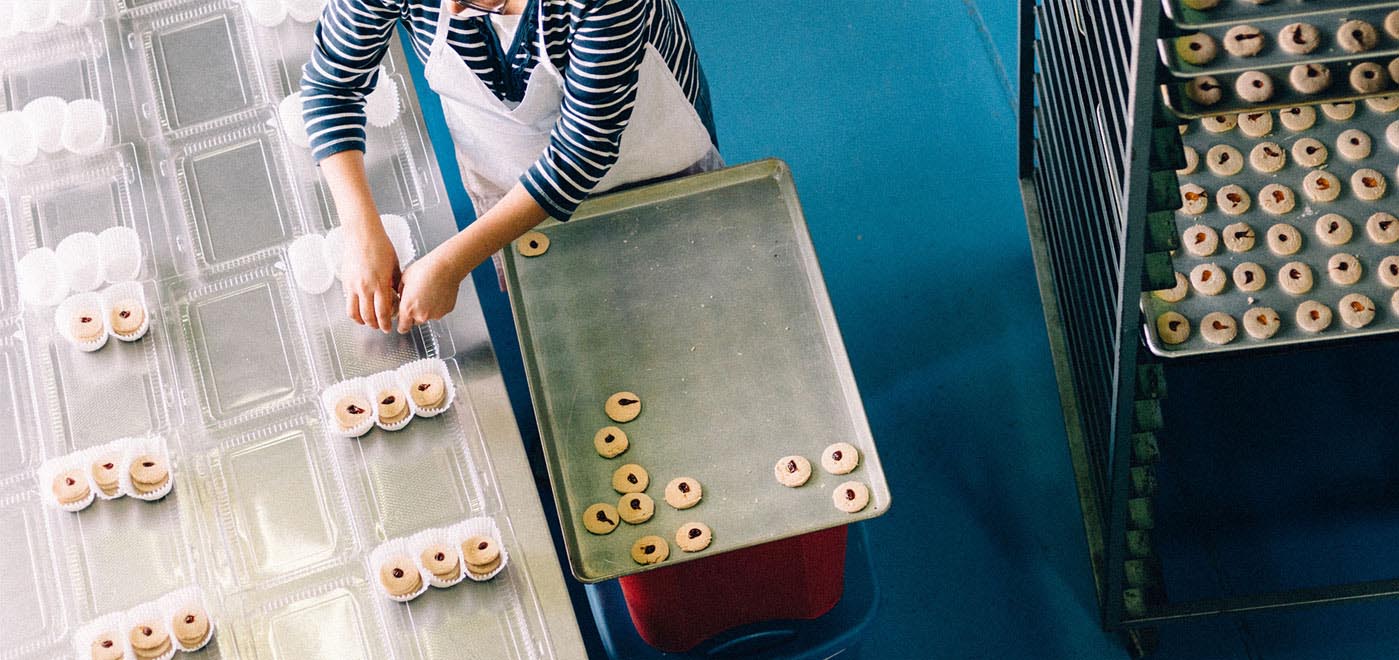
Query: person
x=547 y=101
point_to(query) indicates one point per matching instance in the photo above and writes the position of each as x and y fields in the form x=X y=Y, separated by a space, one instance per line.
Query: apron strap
x=441 y=36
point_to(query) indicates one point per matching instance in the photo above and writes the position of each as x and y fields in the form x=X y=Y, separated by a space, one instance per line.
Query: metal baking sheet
x=1235 y=11
x=703 y=296
x=1274 y=59
x=1314 y=253
x=1284 y=96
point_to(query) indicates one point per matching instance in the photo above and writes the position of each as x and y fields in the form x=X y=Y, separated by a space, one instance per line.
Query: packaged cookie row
x=838 y=459
x=176 y=622
x=87 y=320
x=389 y=399
x=81 y=262
x=441 y=558
x=1356 y=311
x=134 y=467
x=315 y=259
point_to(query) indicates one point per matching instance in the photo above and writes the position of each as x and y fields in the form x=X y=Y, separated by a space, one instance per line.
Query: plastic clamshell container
x=199 y=63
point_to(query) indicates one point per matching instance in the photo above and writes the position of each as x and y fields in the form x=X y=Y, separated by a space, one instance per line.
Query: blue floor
x=897 y=119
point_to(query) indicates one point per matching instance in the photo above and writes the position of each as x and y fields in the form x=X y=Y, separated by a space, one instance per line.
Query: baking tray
x=1238 y=11
x=703 y=296
x=1272 y=58
x=1284 y=95
x=1314 y=253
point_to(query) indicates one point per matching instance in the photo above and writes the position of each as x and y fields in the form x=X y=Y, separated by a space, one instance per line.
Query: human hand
x=369 y=275
x=428 y=289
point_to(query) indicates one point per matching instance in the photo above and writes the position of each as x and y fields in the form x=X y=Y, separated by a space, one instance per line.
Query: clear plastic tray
x=21 y=445
x=336 y=618
x=71 y=64
x=198 y=61
x=245 y=343
x=35 y=614
x=232 y=191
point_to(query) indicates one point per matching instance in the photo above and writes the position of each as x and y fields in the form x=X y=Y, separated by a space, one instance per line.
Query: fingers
x=352 y=308
x=366 y=310
x=405 y=321
x=383 y=308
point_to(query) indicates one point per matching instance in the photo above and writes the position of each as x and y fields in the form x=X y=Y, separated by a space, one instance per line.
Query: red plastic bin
x=676 y=608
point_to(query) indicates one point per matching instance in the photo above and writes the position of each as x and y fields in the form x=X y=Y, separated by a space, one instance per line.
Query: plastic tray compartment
x=119 y=391
x=1236 y=11
x=233 y=192
x=495 y=620
x=34 y=611
x=433 y=472
x=200 y=65
x=278 y=508
x=703 y=296
x=1383 y=158
x=56 y=199
x=336 y=620
x=245 y=343
x=71 y=65
x=9 y=255
x=126 y=551
x=284 y=49
x=21 y=445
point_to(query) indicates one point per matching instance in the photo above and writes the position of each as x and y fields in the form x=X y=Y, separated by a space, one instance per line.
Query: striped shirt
x=597 y=44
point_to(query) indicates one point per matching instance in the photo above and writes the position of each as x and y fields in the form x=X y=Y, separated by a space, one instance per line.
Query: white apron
x=496 y=144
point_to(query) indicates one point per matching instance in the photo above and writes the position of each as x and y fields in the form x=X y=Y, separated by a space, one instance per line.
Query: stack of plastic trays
x=272 y=517
x=1222 y=56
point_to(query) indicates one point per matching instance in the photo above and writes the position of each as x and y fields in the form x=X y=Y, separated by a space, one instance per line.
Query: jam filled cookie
x=532 y=244
x=840 y=458
x=482 y=555
x=1383 y=104
x=1256 y=124
x=851 y=496
x=601 y=518
x=1267 y=157
x=1295 y=278
x=1309 y=152
x=351 y=411
x=1357 y=310
x=428 y=390
x=1368 y=184
x=1368 y=78
x=1204 y=90
x=1388 y=271
x=1233 y=200
x=393 y=406
x=1297 y=119
x=1208 y=279
x=636 y=508
x=107 y=646
x=1341 y=111
x=1321 y=186
x=1224 y=160
x=650 y=550
x=1313 y=316
x=1243 y=41
x=1176 y=293
x=191 y=626
x=149 y=474
x=149 y=640
x=693 y=536
x=1277 y=199
x=683 y=492
x=1262 y=322
x=1173 y=328
x=400 y=577
x=1254 y=86
x=441 y=561
x=1193 y=199
x=1354 y=144
x=1238 y=237
x=1382 y=228
x=1250 y=277
x=1197 y=49
x=610 y=442
x=70 y=487
x=793 y=471
x=1218 y=328
x=1220 y=123
x=1391 y=134
x=1299 y=38
x=1344 y=269
x=1333 y=229
x=1284 y=239
x=1309 y=78
x=127 y=317
x=85 y=326
x=1192 y=161
x=630 y=478
x=106 y=475
x=1356 y=36
x=622 y=407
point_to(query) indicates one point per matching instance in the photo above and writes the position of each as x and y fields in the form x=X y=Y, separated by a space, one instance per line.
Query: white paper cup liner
x=35 y=17
x=482 y=526
x=18 y=143
x=136 y=448
x=392 y=548
x=292 y=122
x=74 y=12
x=382 y=381
x=304 y=11
x=383 y=106
x=176 y=600
x=149 y=614
x=333 y=393
x=85 y=303
x=401 y=236
x=45 y=115
x=56 y=466
x=85 y=129
x=309 y=266
x=126 y=291
x=40 y=278
x=335 y=249
x=78 y=255
x=408 y=372
x=119 y=254
x=266 y=13
x=114 y=623
x=420 y=542
x=114 y=451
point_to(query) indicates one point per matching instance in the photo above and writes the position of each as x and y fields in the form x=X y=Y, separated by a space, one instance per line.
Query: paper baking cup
x=85 y=129
x=384 y=380
x=173 y=602
x=304 y=11
x=309 y=266
x=41 y=278
x=486 y=527
x=407 y=372
x=335 y=249
x=18 y=144
x=123 y=291
x=292 y=122
x=78 y=256
x=333 y=393
x=383 y=106
x=114 y=623
x=73 y=12
x=119 y=254
x=62 y=317
x=384 y=552
x=137 y=447
x=420 y=542
x=54 y=467
x=266 y=13
x=148 y=613
x=117 y=450
x=401 y=236
x=45 y=115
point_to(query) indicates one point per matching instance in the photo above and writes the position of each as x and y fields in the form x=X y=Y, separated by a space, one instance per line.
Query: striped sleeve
x=609 y=39
x=351 y=39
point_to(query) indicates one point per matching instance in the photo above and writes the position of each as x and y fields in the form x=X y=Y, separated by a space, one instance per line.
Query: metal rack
x=1098 y=152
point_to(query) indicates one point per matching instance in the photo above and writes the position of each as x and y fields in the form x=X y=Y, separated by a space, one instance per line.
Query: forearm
x=345 y=175
x=514 y=215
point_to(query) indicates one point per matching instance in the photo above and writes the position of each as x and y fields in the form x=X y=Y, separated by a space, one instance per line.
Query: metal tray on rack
x=1384 y=158
x=1237 y=11
x=1272 y=58
x=1284 y=95
x=703 y=296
